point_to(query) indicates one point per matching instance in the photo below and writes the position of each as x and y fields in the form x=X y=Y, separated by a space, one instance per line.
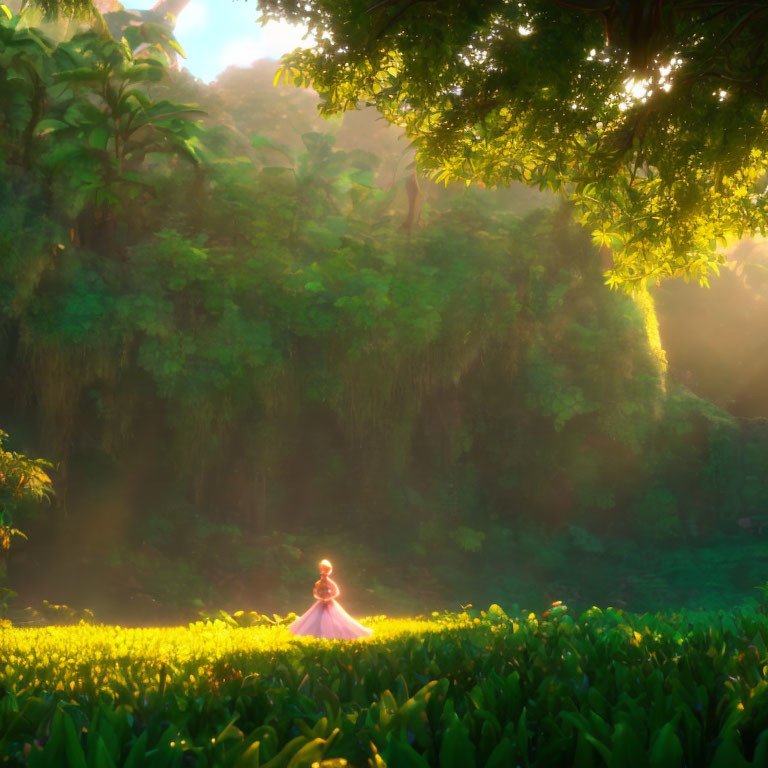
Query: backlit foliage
x=21 y=480
x=650 y=117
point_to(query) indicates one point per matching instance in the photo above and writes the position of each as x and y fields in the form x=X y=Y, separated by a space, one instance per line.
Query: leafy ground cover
x=469 y=689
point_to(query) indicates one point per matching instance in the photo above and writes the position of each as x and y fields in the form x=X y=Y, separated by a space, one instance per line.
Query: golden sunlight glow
x=276 y=39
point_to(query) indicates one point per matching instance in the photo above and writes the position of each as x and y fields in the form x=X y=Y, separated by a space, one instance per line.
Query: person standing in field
x=326 y=618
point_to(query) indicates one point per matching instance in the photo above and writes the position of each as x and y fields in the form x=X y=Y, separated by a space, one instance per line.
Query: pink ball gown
x=326 y=618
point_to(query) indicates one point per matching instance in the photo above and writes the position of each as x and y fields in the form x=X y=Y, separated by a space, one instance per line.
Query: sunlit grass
x=112 y=657
x=533 y=689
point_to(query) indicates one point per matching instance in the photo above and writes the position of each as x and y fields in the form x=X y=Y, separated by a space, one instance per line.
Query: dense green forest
x=245 y=337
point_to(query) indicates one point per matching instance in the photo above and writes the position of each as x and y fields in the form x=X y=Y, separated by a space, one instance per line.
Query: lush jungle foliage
x=248 y=340
x=455 y=691
x=649 y=114
x=23 y=482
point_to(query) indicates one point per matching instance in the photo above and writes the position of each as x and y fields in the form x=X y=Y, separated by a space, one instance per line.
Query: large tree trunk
x=415 y=202
x=173 y=7
x=107 y=6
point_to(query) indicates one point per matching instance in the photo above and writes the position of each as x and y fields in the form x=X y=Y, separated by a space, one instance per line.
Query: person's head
x=326 y=568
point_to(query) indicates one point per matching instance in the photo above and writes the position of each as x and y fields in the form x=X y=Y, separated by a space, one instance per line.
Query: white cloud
x=279 y=37
x=192 y=19
x=270 y=42
x=239 y=53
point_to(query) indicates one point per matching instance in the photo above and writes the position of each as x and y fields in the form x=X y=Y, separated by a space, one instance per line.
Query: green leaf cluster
x=608 y=688
x=650 y=117
x=22 y=480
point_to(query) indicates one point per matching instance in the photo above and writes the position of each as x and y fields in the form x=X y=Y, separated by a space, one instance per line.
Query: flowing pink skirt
x=329 y=620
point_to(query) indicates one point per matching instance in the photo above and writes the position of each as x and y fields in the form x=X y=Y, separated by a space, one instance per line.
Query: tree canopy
x=649 y=115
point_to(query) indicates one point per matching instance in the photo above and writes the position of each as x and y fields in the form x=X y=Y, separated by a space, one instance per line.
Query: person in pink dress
x=326 y=618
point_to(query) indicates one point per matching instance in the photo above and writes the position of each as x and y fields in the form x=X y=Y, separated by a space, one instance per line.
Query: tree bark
x=415 y=202
x=173 y=7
